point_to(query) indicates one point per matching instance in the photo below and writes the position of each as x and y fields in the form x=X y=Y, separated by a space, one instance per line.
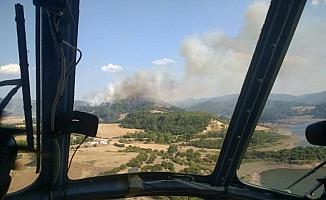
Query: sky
x=173 y=50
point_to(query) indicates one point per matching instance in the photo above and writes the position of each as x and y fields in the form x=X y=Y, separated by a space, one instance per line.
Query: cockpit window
x=163 y=77
x=24 y=173
x=279 y=154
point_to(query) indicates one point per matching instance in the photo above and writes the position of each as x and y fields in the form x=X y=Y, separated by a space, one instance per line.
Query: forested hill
x=111 y=112
x=16 y=107
x=107 y=112
x=177 y=123
x=278 y=107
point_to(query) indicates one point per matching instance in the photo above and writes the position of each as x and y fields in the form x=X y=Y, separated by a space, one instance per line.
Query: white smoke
x=216 y=63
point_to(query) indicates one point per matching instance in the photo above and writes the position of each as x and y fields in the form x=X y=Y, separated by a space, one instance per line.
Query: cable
x=60 y=53
x=57 y=161
x=64 y=192
x=72 y=157
x=63 y=78
x=54 y=26
x=60 y=89
x=70 y=12
x=71 y=68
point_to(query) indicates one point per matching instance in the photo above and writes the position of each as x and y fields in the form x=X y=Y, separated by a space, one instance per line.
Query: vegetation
x=212 y=134
x=291 y=156
x=278 y=106
x=119 y=145
x=182 y=131
x=201 y=162
x=278 y=110
x=115 y=170
x=319 y=111
x=151 y=136
x=265 y=138
x=149 y=160
x=172 y=149
x=176 y=123
x=110 y=112
x=207 y=143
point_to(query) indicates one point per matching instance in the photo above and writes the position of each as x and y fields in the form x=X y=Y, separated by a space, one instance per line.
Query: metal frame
x=277 y=32
x=23 y=62
x=273 y=43
x=38 y=85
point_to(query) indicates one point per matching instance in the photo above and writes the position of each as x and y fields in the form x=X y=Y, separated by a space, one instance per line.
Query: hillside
x=15 y=107
x=312 y=98
x=278 y=106
x=111 y=112
x=108 y=112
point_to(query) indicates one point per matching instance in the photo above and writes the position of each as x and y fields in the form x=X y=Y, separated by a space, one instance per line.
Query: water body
x=299 y=129
x=280 y=179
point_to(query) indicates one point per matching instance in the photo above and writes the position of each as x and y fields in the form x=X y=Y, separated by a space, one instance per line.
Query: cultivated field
x=110 y=131
x=109 y=156
x=111 y=153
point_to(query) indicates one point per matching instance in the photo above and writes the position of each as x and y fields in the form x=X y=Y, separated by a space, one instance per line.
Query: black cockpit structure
x=56 y=33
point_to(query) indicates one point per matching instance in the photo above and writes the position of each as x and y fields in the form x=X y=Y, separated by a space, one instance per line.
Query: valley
x=146 y=135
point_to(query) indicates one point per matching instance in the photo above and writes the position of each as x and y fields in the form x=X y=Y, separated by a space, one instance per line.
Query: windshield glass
x=279 y=153
x=163 y=78
x=13 y=115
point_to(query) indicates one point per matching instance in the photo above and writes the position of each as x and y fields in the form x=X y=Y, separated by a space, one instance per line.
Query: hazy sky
x=174 y=49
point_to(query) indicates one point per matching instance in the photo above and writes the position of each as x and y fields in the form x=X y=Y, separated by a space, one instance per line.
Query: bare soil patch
x=113 y=130
x=91 y=161
x=24 y=175
x=158 y=147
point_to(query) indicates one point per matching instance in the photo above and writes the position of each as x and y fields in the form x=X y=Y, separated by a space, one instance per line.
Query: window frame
x=280 y=24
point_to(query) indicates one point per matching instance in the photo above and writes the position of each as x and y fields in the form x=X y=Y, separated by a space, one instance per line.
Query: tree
x=172 y=149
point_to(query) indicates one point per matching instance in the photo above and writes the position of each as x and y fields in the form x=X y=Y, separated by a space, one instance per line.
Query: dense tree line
x=152 y=136
x=177 y=123
x=278 y=110
x=319 y=111
x=212 y=134
x=214 y=139
x=295 y=155
x=262 y=138
x=168 y=138
x=207 y=143
x=103 y=111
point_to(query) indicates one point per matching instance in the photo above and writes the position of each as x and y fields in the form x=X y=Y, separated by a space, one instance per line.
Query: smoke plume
x=216 y=63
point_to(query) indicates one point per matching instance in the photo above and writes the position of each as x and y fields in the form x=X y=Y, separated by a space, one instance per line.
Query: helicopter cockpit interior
x=162 y=99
